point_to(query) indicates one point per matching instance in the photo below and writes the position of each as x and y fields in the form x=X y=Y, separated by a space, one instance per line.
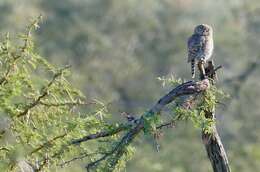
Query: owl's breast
x=209 y=48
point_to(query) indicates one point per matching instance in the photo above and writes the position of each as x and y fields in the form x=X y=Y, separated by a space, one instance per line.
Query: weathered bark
x=187 y=88
x=212 y=142
x=216 y=152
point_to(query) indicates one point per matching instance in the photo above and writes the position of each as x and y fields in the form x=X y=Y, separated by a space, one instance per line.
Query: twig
x=4 y=79
x=45 y=92
x=76 y=103
x=4 y=149
x=49 y=142
x=168 y=124
x=33 y=25
x=97 y=135
x=90 y=165
x=82 y=156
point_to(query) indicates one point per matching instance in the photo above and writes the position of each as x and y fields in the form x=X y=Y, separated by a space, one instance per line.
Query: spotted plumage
x=200 y=47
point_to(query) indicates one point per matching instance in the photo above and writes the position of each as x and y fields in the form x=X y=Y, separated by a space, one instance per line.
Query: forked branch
x=187 y=88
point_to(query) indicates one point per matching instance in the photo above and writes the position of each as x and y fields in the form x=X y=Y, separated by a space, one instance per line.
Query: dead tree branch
x=212 y=142
x=187 y=88
x=101 y=134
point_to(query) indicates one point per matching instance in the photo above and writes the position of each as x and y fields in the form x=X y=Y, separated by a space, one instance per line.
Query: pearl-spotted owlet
x=200 y=47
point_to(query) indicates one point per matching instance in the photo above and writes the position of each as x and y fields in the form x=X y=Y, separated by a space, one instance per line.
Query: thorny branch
x=10 y=67
x=49 y=142
x=119 y=129
x=30 y=28
x=105 y=134
x=80 y=157
x=101 y=134
x=45 y=91
x=26 y=45
x=76 y=103
x=187 y=88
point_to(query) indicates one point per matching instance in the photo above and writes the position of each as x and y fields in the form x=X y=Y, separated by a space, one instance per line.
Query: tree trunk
x=212 y=142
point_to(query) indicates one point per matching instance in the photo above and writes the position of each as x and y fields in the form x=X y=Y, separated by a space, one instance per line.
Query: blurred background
x=118 y=48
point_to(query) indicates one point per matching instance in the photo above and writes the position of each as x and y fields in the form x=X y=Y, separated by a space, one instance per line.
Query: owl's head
x=203 y=29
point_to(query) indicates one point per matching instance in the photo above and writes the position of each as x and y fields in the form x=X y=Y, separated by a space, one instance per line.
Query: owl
x=200 y=47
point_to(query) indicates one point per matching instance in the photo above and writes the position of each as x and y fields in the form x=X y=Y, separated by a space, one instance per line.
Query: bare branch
x=212 y=142
x=168 y=124
x=94 y=163
x=215 y=150
x=82 y=156
x=187 y=88
x=76 y=103
x=97 y=135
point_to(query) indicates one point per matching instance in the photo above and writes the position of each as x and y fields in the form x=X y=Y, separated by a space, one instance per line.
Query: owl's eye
x=206 y=31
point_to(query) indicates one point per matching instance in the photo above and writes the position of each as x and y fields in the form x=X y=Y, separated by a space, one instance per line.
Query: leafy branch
x=45 y=91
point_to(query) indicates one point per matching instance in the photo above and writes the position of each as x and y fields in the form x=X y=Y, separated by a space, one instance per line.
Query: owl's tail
x=193 y=68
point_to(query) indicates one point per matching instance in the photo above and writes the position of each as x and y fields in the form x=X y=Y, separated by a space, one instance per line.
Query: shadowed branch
x=187 y=88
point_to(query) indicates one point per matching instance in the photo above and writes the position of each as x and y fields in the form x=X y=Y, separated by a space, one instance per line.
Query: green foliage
x=151 y=121
x=195 y=108
x=144 y=40
x=42 y=112
x=173 y=81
